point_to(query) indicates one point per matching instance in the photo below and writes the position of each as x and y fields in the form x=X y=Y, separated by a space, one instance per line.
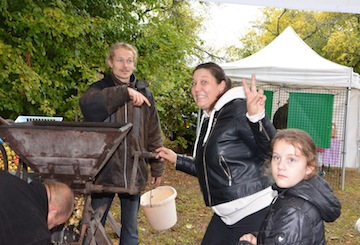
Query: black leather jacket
x=229 y=164
x=297 y=214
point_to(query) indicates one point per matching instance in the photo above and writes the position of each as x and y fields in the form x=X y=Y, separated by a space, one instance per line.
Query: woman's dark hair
x=217 y=72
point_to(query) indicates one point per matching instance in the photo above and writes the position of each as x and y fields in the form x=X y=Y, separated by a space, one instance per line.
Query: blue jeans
x=129 y=205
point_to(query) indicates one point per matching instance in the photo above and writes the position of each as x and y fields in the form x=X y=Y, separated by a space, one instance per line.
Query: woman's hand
x=167 y=154
x=255 y=100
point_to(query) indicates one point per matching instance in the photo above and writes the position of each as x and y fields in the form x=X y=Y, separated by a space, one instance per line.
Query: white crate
x=21 y=119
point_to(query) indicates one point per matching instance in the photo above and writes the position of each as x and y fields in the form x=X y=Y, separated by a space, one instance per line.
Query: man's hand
x=155 y=181
x=137 y=98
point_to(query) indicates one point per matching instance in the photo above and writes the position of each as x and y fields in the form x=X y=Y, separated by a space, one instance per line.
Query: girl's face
x=122 y=64
x=205 y=90
x=289 y=166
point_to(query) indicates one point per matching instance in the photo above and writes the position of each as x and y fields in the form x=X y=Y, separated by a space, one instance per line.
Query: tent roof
x=289 y=60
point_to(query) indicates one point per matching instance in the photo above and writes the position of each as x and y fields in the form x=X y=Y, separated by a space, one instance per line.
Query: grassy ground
x=342 y=230
x=193 y=216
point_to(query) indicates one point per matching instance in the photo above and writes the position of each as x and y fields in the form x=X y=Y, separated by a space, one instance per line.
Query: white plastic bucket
x=159 y=207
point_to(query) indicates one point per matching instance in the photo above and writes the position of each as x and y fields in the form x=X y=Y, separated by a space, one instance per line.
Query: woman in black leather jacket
x=305 y=199
x=233 y=142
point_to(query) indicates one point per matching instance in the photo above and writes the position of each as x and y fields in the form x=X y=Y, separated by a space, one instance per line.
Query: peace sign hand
x=255 y=100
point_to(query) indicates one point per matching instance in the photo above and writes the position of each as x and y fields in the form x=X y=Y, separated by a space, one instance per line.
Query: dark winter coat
x=23 y=212
x=108 y=100
x=297 y=215
x=229 y=163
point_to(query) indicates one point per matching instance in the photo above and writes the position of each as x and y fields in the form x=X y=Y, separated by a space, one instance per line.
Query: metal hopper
x=70 y=152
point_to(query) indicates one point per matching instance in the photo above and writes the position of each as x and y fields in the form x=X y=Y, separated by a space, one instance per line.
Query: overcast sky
x=226 y=23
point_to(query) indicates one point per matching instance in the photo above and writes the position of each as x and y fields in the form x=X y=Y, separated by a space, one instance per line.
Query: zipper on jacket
x=206 y=178
x=262 y=129
x=204 y=163
x=125 y=147
x=226 y=169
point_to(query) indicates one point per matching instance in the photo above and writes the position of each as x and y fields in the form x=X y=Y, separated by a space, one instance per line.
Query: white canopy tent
x=344 y=6
x=289 y=62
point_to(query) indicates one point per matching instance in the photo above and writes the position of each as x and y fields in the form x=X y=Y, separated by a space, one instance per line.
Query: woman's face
x=205 y=90
x=289 y=166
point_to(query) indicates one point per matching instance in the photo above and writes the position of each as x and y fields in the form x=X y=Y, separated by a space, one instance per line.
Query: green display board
x=269 y=102
x=312 y=113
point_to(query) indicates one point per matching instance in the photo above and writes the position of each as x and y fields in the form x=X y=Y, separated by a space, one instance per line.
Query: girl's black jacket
x=297 y=214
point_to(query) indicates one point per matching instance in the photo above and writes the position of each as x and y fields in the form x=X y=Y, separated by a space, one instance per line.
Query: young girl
x=304 y=201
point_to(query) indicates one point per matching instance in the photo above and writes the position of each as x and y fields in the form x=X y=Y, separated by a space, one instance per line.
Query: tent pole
x=344 y=137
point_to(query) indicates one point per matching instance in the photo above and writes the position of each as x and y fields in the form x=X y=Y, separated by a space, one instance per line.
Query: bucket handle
x=150 y=196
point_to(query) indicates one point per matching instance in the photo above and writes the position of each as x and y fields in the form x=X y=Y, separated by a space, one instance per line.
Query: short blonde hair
x=124 y=45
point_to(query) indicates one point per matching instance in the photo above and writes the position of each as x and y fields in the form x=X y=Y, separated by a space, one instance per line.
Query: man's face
x=122 y=64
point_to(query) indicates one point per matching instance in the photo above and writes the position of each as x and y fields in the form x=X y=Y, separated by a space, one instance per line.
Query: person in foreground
x=29 y=211
x=305 y=200
x=121 y=98
x=234 y=140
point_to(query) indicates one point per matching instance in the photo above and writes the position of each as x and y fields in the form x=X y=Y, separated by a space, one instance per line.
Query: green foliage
x=50 y=51
x=46 y=55
x=181 y=112
x=164 y=46
x=343 y=46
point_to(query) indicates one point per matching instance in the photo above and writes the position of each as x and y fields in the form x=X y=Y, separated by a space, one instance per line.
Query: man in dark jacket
x=29 y=211
x=121 y=98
